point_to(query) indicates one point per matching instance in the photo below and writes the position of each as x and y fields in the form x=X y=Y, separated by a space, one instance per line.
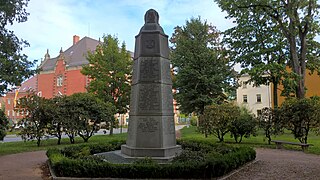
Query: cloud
x=52 y=24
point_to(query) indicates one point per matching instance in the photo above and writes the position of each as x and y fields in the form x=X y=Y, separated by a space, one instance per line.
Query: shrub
x=300 y=116
x=216 y=119
x=269 y=123
x=200 y=159
x=243 y=126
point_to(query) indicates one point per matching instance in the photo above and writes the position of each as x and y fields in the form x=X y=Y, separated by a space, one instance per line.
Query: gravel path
x=271 y=164
x=281 y=164
x=22 y=166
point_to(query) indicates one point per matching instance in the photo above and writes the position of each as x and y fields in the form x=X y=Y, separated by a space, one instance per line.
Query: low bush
x=199 y=159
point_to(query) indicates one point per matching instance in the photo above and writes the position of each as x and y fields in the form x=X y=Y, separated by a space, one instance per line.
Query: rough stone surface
x=281 y=164
x=151 y=130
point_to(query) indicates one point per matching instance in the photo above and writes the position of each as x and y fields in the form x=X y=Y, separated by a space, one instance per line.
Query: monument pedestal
x=151 y=131
x=154 y=153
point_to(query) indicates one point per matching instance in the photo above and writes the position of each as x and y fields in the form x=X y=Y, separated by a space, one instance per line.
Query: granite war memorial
x=151 y=131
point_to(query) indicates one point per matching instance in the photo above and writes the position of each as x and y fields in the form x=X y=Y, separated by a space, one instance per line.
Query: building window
x=8 y=112
x=245 y=99
x=12 y=112
x=259 y=112
x=18 y=113
x=258 y=98
x=9 y=101
x=59 y=81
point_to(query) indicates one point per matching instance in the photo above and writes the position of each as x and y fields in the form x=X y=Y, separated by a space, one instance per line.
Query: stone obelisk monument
x=151 y=131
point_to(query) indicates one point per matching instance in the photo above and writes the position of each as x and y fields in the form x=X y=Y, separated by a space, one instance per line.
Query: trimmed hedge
x=199 y=159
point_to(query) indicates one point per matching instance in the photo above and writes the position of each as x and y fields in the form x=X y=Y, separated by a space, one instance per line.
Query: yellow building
x=312 y=84
x=257 y=98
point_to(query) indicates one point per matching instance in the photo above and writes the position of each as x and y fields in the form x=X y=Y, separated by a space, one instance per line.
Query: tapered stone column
x=151 y=130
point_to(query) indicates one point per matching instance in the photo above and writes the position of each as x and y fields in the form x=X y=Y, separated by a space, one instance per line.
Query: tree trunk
x=38 y=141
x=275 y=92
x=240 y=138
x=297 y=66
x=111 y=128
x=59 y=140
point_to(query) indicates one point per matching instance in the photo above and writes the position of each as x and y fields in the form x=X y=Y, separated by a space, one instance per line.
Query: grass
x=18 y=147
x=259 y=140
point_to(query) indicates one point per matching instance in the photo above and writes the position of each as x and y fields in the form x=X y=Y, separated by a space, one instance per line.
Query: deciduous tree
x=217 y=119
x=269 y=122
x=110 y=71
x=36 y=117
x=243 y=126
x=3 y=124
x=202 y=73
x=86 y=112
x=14 y=66
x=300 y=116
x=282 y=29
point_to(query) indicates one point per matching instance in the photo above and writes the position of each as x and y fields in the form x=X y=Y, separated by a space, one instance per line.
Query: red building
x=9 y=101
x=62 y=75
x=58 y=76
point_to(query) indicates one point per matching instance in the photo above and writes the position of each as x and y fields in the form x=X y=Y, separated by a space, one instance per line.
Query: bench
x=279 y=144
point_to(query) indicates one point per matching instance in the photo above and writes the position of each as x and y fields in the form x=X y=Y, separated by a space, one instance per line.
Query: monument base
x=134 y=152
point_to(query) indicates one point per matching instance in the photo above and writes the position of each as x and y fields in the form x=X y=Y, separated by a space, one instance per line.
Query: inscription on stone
x=148 y=125
x=149 y=97
x=149 y=69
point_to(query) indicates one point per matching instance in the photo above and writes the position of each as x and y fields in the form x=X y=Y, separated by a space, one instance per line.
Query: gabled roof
x=28 y=85
x=74 y=56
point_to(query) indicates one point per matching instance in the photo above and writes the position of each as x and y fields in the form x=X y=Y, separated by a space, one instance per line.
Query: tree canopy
x=271 y=34
x=110 y=69
x=14 y=66
x=201 y=72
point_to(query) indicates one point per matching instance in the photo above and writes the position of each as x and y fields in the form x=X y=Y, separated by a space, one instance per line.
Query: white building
x=254 y=98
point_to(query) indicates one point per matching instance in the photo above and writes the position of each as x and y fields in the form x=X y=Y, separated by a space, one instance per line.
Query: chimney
x=75 y=39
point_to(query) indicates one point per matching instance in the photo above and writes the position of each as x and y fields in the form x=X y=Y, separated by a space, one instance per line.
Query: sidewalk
x=22 y=166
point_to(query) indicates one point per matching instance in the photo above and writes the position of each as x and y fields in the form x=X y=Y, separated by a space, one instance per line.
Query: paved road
x=14 y=138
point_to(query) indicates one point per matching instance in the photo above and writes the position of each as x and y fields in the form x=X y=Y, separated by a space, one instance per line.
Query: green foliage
x=37 y=116
x=243 y=126
x=193 y=120
x=110 y=69
x=271 y=34
x=300 y=116
x=211 y=164
x=84 y=112
x=14 y=66
x=3 y=124
x=217 y=119
x=269 y=122
x=201 y=72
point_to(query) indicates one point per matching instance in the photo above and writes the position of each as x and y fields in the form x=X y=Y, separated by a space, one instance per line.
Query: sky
x=52 y=23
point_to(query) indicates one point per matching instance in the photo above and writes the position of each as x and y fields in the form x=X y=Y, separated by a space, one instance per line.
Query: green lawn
x=259 y=140
x=17 y=147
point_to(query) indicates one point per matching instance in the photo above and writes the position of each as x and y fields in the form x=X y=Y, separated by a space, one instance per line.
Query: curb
x=238 y=170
